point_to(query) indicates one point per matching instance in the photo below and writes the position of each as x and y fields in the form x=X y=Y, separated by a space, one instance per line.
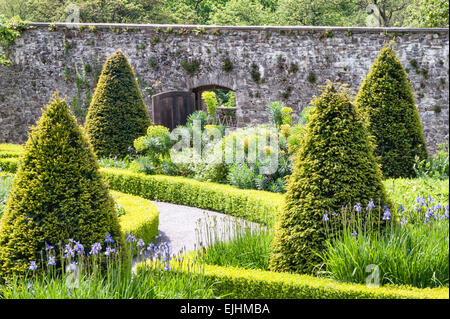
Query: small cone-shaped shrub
x=335 y=167
x=386 y=101
x=117 y=114
x=58 y=194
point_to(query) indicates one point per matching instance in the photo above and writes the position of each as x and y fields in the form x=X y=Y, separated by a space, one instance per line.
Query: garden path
x=188 y=228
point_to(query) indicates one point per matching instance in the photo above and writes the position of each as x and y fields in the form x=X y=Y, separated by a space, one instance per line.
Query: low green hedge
x=256 y=206
x=238 y=283
x=253 y=205
x=9 y=164
x=142 y=217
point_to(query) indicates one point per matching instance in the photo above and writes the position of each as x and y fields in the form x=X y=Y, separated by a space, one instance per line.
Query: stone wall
x=261 y=64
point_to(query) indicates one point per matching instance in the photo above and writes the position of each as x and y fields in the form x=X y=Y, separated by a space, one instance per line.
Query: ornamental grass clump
x=117 y=114
x=334 y=167
x=387 y=103
x=57 y=193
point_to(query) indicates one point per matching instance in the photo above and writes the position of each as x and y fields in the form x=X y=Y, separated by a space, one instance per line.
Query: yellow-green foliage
x=142 y=217
x=9 y=164
x=211 y=101
x=387 y=102
x=257 y=206
x=117 y=114
x=255 y=284
x=286 y=115
x=10 y=150
x=334 y=167
x=57 y=193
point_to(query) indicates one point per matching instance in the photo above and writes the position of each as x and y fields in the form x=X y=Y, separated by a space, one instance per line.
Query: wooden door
x=172 y=108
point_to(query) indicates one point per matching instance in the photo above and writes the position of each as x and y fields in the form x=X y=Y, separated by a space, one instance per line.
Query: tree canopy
x=421 y=13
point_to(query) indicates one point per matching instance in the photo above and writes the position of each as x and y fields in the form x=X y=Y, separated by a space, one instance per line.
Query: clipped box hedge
x=252 y=205
x=239 y=283
x=142 y=217
x=9 y=164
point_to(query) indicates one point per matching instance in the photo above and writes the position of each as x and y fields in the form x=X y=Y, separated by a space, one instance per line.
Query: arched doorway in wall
x=172 y=108
x=226 y=101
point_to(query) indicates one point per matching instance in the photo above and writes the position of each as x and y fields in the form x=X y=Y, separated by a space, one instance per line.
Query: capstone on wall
x=261 y=64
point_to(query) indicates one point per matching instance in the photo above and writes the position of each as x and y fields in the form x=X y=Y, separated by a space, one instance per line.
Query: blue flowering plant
x=413 y=248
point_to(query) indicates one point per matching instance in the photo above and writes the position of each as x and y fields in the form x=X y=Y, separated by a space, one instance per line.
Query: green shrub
x=436 y=167
x=117 y=114
x=252 y=205
x=211 y=104
x=9 y=164
x=275 y=113
x=334 y=167
x=238 y=283
x=386 y=100
x=142 y=217
x=197 y=116
x=57 y=194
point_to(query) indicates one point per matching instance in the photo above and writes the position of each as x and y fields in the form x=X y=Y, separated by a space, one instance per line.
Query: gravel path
x=189 y=228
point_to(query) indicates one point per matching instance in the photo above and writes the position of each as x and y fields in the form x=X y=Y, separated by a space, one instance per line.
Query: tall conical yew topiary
x=335 y=167
x=117 y=114
x=386 y=101
x=57 y=194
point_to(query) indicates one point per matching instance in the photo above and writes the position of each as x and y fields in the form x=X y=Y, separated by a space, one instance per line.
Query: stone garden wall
x=261 y=64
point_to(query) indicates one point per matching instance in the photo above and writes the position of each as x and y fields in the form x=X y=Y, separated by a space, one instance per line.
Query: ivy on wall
x=10 y=30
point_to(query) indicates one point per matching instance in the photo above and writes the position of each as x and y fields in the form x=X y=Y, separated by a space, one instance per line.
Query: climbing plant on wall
x=10 y=29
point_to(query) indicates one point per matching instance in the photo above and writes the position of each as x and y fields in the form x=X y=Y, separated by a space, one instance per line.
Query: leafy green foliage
x=386 y=100
x=57 y=194
x=156 y=147
x=210 y=99
x=436 y=167
x=117 y=114
x=10 y=29
x=429 y=13
x=239 y=283
x=334 y=167
x=256 y=206
x=274 y=110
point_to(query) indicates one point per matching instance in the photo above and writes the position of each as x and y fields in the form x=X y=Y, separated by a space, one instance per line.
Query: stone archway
x=224 y=115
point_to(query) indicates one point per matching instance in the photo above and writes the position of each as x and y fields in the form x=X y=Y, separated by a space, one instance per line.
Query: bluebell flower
x=130 y=239
x=95 y=248
x=370 y=206
x=33 y=266
x=354 y=233
x=357 y=207
x=387 y=214
x=48 y=247
x=51 y=261
x=73 y=266
x=325 y=218
x=79 y=248
x=403 y=221
x=109 y=239
x=109 y=251
x=140 y=243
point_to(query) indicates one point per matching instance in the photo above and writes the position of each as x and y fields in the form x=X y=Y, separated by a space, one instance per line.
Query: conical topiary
x=117 y=114
x=58 y=194
x=386 y=101
x=334 y=167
